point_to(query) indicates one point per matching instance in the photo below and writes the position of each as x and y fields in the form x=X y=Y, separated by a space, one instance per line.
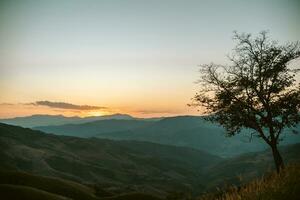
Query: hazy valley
x=187 y=131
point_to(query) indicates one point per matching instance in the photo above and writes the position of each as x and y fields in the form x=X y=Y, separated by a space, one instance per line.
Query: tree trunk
x=277 y=158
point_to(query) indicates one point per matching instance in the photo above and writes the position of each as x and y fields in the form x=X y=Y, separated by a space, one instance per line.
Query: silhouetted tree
x=257 y=91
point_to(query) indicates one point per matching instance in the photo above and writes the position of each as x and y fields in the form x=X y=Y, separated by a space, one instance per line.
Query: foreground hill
x=285 y=185
x=20 y=185
x=47 y=120
x=110 y=168
x=115 y=165
x=187 y=131
x=244 y=168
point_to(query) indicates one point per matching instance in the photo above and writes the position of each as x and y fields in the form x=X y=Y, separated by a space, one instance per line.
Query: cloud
x=6 y=104
x=64 y=105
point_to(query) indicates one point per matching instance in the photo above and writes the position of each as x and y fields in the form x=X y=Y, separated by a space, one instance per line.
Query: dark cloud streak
x=64 y=105
x=6 y=104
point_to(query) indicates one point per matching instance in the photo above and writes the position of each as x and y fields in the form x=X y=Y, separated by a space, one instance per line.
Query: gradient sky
x=137 y=57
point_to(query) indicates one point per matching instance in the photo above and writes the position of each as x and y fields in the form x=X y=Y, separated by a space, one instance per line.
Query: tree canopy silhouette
x=257 y=91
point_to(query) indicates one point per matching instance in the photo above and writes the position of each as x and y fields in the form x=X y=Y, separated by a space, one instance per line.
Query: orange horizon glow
x=21 y=110
x=122 y=56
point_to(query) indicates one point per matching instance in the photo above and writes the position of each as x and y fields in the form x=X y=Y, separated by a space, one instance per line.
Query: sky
x=139 y=57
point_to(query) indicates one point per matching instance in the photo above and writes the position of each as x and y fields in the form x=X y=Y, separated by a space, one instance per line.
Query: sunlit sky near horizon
x=138 y=57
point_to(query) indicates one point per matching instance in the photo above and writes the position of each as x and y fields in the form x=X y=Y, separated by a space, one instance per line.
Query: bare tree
x=257 y=91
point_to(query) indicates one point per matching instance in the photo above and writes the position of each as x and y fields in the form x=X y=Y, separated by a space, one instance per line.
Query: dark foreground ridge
x=42 y=163
x=285 y=185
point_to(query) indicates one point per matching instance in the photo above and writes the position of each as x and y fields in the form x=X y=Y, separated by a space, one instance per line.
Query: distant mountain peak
x=48 y=120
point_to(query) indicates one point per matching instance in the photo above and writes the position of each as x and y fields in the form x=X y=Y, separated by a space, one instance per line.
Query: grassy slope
x=285 y=185
x=242 y=169
x=156 y=168
x=40 y=153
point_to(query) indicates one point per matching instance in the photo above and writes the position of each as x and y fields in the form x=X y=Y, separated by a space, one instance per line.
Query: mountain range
x=187 y=131
x=49 y=120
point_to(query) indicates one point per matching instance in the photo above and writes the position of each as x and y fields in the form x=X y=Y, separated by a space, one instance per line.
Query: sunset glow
x=127 y=57
x=97 y=113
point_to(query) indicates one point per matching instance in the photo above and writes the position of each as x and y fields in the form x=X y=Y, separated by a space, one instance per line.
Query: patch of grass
x=285 y=185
